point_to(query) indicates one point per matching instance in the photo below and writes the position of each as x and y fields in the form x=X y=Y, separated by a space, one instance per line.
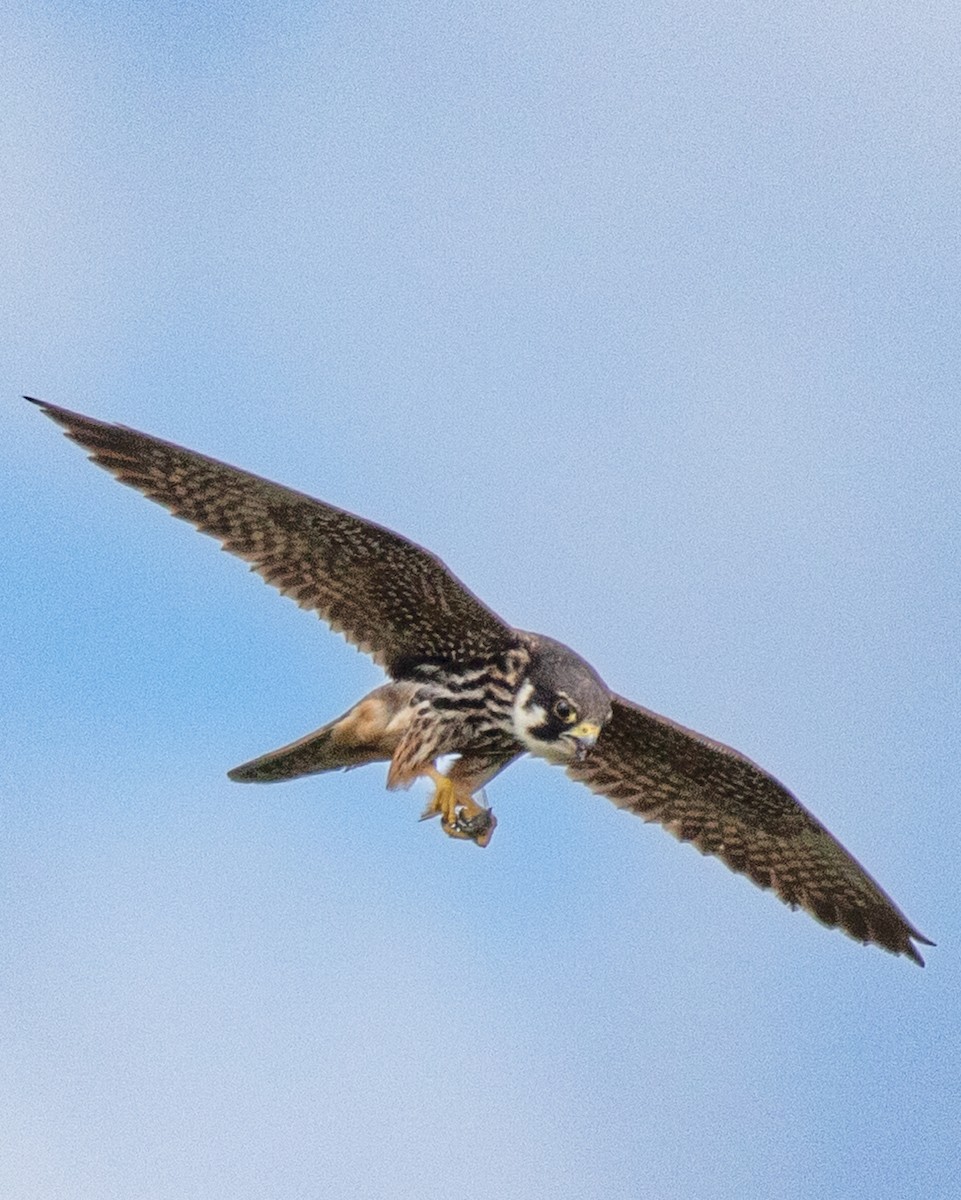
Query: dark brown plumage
x=392 y=599
x=706 y=793
x=470 y=684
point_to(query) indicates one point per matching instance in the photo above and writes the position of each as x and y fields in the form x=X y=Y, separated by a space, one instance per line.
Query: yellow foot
x=460 y=816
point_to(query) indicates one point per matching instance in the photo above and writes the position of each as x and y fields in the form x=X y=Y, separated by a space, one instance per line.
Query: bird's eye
x=565 y=711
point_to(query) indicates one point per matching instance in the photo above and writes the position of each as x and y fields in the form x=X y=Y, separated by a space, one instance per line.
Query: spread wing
x=390 y=597
x=706 y=793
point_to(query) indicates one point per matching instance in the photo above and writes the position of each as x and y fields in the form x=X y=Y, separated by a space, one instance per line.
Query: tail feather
x=310 y=755
x=368 y=732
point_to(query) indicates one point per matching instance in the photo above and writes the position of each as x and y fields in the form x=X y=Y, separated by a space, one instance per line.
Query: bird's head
x=561 y=705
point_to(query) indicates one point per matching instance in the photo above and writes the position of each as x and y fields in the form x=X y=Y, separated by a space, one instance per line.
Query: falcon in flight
x=463 y=682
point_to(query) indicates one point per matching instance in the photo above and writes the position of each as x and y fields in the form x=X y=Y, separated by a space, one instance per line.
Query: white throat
x=526 y=716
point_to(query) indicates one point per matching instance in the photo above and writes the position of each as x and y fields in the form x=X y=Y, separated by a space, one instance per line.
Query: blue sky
x=645 y=319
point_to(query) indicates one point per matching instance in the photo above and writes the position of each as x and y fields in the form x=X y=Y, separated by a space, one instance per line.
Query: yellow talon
x=460 y=816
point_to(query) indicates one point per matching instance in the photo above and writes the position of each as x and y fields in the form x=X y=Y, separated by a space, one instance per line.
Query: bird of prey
x=463 y=682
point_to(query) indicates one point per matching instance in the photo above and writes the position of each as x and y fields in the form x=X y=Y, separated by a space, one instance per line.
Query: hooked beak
x=584 y=736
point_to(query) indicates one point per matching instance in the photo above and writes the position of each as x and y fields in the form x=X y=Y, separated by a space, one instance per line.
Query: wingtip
x=71 y=421
x=48 y=409
x=912 y=952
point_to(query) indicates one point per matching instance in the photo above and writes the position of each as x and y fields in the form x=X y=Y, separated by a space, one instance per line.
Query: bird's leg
x=460 y=814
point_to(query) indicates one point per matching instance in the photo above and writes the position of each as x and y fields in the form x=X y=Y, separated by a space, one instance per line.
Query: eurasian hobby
x=463 y=682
